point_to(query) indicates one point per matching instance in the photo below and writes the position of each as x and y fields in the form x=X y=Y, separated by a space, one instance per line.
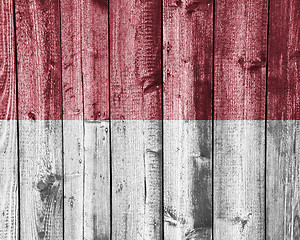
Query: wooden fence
x=149 y=119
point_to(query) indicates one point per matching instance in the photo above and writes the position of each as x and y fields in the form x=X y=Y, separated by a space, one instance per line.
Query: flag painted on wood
x=158 y=119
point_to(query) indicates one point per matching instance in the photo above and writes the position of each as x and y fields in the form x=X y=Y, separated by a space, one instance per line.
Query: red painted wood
x=7 y=63
x=9 y=218
x=95 y=60
x=39 y=98
x=136 y=87
x=188 y=63
x=282 y=189
x=73 y=127
x=284 y=61
x=71 y=47
x=95 y=78
x=38 y=46
x=240 y=60
x=86 y=100
x=135 y=50
x=239 y=95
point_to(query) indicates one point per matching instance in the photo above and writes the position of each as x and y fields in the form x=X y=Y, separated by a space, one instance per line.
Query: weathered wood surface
x=187 y=130
x=40 y=130
x=135 y=85
x=239 y=142
x=73 y=127
x=86 y=111
x=8 y=126
x=90 y=105
x=97 y=180
x=282 y=130
x=95 y=70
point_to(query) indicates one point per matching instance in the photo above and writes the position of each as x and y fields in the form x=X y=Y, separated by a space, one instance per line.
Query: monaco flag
x=149 y=120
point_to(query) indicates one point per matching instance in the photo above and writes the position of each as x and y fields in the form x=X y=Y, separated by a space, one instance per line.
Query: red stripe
x=284 y=61
x=135 y=57
x=7 y=63
x=39 y=59
x=240 y=61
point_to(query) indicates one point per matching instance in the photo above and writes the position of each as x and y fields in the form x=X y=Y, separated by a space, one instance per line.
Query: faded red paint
x=240 y=61
x=8 y=109
x=284 y=61
x=136 y=80
x=39 y=60
x=135 y=69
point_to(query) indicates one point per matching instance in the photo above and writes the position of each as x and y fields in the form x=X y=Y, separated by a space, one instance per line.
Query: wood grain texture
x=282 y=179
x=9 y=203
x=97 y=180
x=96 y=125
x=284 y=60
x=239 y=179
x=8 y=126
x=239 y=148
x=40 y=128
x=86 y=97
x=188 y=51
x=283 y=130
x=73 y=111
x=136 y=119
x=187 y=179
x=135 y=52
x=136 y=189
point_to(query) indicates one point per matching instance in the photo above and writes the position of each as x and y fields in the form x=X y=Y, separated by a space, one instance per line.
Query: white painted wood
x=97 y=180
x=283 y=178
x=136 y=179
x=9 y=204
x=187 y=179
x=239 y=165
x=73 y=178
x=41 y=202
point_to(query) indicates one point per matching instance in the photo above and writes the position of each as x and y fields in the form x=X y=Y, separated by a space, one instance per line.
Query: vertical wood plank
x=283 y=125
x=40 y=126
x=188 y=51
x=73 y=127
x=96 y=125
x=239 y=129
x=135 y=87
x=86 y=114
x=8 y=126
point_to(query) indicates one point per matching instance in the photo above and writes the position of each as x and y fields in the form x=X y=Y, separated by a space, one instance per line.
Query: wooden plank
x=188 y=51
x=8 y=126
x=97 y=180
x=136 y=189
x=239 y=129
x=73 y=127
x=187 y=179
x=96 y=114
x=135 y=87
x=282 y=179
x=283 y=125
x=86 y=110
x=40 y=126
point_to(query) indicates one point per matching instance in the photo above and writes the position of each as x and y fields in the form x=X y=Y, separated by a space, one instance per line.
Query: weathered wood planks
x=40 y=135
x=135 y=85
x=86 y=113
x=188 y=52
x=95 y=70
x=73 y=111
x=239 y=126
x=283 y=128
x=9 y=203
x=163 y=172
